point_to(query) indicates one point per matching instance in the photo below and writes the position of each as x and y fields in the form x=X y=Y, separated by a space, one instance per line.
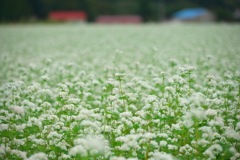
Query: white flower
x=172 y=147
x=112 y=98
x=38 y=156
x=46 y=105
x=74 y=100
x=178 y=79
x=231 y=133
x=194 y=112
x=208 y=131
x=233 y=150
x=163 y=135
x=176 y=126
x=203 y=142
x=154 y=143
x=2 y=149
x=64 y=156
x=172 y=62
x=151 y=98
x=188 y=123
x=149 y=135
x=212 y=151
x=3 y=127
x=33 y=88
x=141 y=113
x=115 y=91
x=63 y=95
x=170 y=89
x=54 y=134
x=126 y=114
x=186 y=149
x=197 y=112
x=120 y=76
x=161 y=156
x=238 y=126
x=48 y=60
x=62 y=88
x=92 y=143
x=17 y=109
x=70 y=107
x=132 y=159
x=45 y=78
x=210 y=77
x=117 y=158
x=197 y=98
x=210 y=112
x=124 y=147
x=20 y=154
x=163 y=143
x=78 y=149
x=136 y=119
x=106 y=128
x=187 y=70
x=157 y=81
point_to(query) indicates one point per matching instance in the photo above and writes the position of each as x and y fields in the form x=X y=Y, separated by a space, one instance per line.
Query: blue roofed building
x=193 y=15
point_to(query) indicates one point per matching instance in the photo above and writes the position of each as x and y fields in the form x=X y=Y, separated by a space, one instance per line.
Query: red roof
x=68 y=15
x=119 y=19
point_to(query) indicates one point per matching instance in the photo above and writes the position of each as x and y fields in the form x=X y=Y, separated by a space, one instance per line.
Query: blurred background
x=119 y=11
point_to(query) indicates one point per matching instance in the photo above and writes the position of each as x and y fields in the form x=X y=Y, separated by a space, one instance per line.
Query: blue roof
x=189 y=13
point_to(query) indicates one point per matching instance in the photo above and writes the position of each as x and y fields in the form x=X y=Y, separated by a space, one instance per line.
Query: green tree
x=12 y=10
x=145 y=10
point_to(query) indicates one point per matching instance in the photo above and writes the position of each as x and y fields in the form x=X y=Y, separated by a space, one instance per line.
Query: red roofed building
x=67 y=16
x=119 y=19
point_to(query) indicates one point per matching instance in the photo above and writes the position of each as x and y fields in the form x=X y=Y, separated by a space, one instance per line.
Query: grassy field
x=136 y=92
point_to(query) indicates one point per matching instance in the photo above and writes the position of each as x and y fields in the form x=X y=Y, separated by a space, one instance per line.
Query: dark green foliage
x=150 y=10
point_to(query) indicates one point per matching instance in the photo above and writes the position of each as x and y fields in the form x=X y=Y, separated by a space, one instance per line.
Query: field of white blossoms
x=134 y=92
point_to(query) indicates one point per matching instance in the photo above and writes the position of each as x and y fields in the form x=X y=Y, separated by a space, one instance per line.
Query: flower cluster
x=146 y=101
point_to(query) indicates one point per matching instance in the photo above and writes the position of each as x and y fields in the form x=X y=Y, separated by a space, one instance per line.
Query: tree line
x=150 y=10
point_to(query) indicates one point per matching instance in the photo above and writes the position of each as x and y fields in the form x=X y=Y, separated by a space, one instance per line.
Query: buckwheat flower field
x=133 y=92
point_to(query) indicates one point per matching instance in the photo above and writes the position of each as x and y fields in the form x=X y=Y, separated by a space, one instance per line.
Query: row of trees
x=150 y=10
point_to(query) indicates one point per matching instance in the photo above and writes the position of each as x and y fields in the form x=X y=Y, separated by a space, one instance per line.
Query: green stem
x=239 y=96
x=189 y=84
x=104 y=121
x=163 y=88
x=150 y=130
x=147 y=151
x=121 y=91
